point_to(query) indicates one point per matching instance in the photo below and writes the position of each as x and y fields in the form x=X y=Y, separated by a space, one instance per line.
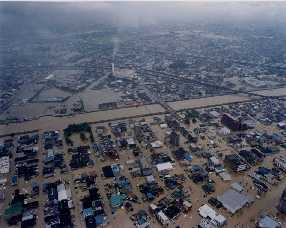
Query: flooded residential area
x=144 y=115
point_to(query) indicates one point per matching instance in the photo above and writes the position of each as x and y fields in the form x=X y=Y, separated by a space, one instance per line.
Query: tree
x=82 y=136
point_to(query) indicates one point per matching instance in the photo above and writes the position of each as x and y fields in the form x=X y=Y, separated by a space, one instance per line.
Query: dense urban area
x=124 y=123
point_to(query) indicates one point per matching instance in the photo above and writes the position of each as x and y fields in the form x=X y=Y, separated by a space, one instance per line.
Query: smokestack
x=112 y=68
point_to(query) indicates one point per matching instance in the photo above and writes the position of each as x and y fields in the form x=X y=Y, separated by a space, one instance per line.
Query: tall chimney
x=112 y=68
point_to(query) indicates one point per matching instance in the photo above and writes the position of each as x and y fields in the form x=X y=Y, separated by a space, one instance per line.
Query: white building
x=208 y=213
x=164 y=167
x=4 y=165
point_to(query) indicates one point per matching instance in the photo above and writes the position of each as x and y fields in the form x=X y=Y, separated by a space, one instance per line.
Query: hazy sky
x=46 y=17
x=183 y=10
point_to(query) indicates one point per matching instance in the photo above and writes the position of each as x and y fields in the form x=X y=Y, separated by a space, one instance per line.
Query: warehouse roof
x=233 y=200
x=268 y=222
x=237 y=187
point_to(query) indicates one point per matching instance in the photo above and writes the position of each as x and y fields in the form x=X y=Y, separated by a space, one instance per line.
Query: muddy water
x=51 y=122
x=92 y=98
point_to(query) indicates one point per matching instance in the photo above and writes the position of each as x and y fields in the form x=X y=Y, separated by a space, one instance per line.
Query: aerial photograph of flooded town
x=143 y=114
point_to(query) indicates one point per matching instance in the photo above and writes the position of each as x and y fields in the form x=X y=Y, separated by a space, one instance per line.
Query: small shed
x=156 y=144
x=225 y=176
x=150 y=179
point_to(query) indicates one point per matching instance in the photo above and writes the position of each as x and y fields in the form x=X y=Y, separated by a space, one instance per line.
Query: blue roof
x=99 y=219
x=263 y=170
x=150 y=195
x=115 y=168
x=116 y=201
x=188 y=157
x=268 y=222
x=87 y=212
